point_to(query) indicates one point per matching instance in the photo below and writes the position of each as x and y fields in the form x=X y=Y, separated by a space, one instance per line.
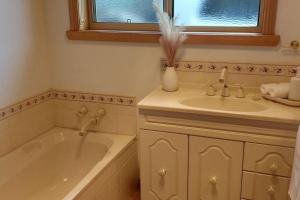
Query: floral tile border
x=96 y=98
x=65 y=95
x=24 y=105
x=236 y=68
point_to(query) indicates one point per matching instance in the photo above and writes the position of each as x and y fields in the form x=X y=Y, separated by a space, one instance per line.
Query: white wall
x=23 y=68
x=132 y=69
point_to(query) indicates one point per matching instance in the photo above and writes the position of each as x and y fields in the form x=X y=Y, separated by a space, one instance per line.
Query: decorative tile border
x=236 y=68
x=65 y=95
x=95 y=98
x=24 y=105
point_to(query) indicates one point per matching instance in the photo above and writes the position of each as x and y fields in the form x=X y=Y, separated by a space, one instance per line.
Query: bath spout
x=84 y=129
x=93 y=121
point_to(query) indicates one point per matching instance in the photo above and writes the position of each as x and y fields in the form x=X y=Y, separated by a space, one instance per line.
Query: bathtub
x=58 y=165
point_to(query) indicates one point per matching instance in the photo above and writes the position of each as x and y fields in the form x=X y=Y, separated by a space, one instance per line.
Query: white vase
x=170 y=80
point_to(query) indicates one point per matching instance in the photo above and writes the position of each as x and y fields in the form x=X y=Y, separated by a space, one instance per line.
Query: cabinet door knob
x=213 y=180
x=274 y=168
x=162 y=172
x=271 y=190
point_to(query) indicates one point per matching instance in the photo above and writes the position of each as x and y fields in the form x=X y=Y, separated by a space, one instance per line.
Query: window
x=241 y=22
x=218 y=13
x=124 y=15
x=138 y=11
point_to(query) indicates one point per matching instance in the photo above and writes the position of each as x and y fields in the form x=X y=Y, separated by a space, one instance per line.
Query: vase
x=170 y=80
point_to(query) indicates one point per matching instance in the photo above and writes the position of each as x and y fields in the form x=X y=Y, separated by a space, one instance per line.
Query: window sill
x=245 y=39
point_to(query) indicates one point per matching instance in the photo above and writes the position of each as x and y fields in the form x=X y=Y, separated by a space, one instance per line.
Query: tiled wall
x=118 y=119
x=24 y=126
x=27 y=119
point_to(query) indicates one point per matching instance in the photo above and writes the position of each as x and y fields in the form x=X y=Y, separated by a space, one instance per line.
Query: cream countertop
x=170 y=101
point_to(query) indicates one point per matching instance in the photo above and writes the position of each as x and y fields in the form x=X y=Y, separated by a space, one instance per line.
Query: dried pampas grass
x=172 y=36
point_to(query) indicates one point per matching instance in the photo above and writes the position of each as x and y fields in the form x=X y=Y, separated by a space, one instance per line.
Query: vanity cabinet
x=185 y=156
x=164 y=165
x=214 y=172
x=215 y=169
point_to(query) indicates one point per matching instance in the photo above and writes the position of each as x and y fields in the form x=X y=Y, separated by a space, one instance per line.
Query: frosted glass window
x=218 y=13
x=125 y=11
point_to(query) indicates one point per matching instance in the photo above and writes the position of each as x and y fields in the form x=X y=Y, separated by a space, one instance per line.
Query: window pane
x=125 y=11
x=226 y=13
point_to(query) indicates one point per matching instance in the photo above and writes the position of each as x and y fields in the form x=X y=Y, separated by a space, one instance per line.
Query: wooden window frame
x=264 y=35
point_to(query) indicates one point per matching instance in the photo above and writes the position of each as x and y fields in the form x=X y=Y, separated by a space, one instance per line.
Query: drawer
x=267 y=159
x=264 y=187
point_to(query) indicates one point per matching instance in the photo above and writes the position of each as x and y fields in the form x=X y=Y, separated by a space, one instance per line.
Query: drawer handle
x=213 y=180
x=162 y=172
x=274 y=168
x=271 y=190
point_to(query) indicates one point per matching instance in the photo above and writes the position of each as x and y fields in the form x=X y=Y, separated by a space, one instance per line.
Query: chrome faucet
x=223 y=80
x=93 y=121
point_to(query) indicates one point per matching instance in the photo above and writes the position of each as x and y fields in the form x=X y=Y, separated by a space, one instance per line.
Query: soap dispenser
x=294 y=93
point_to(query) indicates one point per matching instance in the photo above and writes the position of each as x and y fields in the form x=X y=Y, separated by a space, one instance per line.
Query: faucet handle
x=99 y=114
x=82 y=112
x=211 y=90
x=241 y=91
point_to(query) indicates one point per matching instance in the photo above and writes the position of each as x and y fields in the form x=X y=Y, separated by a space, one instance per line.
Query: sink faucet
x=93 y=121
x=223 y=80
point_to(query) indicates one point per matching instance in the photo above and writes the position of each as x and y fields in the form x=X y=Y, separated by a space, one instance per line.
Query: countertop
x=171 y=101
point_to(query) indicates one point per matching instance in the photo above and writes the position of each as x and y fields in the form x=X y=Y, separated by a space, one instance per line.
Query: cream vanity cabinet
x=201 y=157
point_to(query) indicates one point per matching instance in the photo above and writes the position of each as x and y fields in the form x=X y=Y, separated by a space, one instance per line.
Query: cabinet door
x=265 y=187
x=267 y=159
x=164 y=161
x=215 y=169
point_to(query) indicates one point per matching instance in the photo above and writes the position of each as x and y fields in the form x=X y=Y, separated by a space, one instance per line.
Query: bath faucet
x=84 y=128
x=93 y=121
x=223 y=80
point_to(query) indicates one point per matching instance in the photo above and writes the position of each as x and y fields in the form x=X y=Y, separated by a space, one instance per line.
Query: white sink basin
x=225 y=104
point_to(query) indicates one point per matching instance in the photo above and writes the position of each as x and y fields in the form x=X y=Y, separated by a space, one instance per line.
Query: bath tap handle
x=100 y=113
x=82 y=112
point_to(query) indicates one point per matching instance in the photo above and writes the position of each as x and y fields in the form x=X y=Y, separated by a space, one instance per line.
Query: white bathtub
x=58 y=165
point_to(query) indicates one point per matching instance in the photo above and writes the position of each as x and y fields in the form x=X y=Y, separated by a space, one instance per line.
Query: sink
x=225 y=104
